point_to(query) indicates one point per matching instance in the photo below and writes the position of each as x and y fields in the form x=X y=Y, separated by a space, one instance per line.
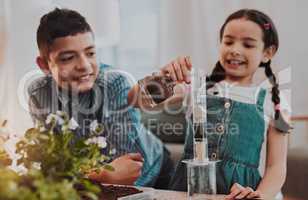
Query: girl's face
x=242 y=50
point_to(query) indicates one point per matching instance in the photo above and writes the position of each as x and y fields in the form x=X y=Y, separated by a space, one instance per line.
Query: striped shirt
x=107 y=103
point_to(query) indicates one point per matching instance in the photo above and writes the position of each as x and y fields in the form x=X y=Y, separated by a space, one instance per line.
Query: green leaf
x=108 y=167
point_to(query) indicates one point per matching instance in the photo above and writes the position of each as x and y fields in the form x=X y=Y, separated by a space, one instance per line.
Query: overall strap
x=261 y=98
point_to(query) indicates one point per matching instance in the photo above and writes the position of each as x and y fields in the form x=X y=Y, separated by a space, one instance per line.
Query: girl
x=241 y=115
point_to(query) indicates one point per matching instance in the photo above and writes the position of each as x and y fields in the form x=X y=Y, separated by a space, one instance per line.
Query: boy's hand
x=239 y=192
x=127 y=170
x=179 y=69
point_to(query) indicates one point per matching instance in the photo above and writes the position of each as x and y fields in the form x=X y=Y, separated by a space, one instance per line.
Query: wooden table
x=151 y=193
x=174 y=195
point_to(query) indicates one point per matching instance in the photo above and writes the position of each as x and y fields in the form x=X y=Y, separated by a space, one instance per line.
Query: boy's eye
x=91 y=54
x=66 y=58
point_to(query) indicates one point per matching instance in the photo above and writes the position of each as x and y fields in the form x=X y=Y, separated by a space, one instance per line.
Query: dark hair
x=59 y=23
x=270 y=39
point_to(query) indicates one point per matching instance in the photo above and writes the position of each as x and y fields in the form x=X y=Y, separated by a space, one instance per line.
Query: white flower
x=36 y=165
x=63 y=115
x=100 y=141
x=55 y=117
x=50 y=118
x=96 y=127
x=89 y=141
x=60 y=121
x=113 y=151
x=42 y=129
x=20 y=169
x=72 y=124
x=93 y=125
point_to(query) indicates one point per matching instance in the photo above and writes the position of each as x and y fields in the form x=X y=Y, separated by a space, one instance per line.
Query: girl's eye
x=249 y=46
x=228 y=43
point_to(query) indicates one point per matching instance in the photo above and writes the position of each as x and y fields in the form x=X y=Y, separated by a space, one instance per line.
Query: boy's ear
x=269 y=53
x=42 y=63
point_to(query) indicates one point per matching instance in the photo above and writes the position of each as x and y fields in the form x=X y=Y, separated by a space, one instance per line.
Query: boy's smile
x=72 y=62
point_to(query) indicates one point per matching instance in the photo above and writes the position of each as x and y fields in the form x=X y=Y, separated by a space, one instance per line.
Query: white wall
x=181 y=27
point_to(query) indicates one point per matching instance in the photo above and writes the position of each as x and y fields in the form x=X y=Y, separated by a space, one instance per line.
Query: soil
x=112 y=192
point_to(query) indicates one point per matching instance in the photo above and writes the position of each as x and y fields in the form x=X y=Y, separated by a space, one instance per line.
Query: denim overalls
x=235 y=136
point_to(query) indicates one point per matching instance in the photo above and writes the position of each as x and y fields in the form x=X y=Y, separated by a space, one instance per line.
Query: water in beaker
x=201 y=179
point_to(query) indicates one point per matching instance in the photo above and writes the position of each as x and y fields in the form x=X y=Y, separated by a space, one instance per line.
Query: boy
x=75 y=84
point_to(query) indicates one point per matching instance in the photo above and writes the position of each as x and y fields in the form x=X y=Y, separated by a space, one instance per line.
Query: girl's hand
x=239 y=192
x=179 y=69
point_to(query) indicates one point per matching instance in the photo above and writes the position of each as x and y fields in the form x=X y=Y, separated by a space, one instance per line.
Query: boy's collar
x=66 y=97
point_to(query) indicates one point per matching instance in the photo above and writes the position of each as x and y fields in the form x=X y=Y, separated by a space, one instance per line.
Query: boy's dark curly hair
x=59 y=23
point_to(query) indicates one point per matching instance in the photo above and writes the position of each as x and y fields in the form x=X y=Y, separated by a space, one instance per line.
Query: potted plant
x=57 y=162
x=4 y=158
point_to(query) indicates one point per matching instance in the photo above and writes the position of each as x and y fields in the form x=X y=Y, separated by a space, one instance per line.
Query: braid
x=275 y=89
x=279 y=123
x=218 y=74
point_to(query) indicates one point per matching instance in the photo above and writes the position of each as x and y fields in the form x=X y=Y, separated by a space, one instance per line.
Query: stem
x=4 y=123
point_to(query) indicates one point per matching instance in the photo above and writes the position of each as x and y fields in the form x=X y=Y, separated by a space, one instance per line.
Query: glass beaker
x=201 y=179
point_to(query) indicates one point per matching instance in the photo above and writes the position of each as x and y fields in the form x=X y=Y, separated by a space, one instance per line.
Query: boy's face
x=72 y=62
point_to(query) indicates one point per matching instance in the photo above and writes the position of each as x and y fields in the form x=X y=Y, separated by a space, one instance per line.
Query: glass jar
x=156 y=88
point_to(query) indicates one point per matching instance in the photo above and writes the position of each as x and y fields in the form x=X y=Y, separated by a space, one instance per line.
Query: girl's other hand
x=179 y=69
x=239 y=192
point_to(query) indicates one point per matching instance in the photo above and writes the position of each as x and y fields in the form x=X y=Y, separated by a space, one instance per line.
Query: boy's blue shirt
x=106 y=103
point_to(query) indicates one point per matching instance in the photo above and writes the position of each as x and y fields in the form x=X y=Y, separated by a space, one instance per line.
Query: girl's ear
x=268 y=53
x=43 y=64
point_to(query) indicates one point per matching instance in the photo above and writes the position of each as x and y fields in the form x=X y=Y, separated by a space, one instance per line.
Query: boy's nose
x=84 y=63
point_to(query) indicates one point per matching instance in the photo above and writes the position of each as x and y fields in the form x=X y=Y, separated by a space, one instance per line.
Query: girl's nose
x=235 y=50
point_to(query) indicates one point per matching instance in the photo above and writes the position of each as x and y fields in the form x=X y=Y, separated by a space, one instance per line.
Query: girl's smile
x=242 y=50
x=235 y=63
